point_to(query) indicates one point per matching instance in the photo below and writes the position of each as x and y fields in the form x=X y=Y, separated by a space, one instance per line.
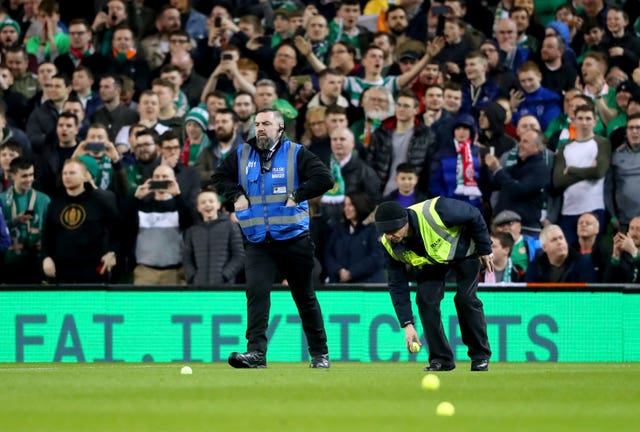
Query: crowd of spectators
x=116 y=113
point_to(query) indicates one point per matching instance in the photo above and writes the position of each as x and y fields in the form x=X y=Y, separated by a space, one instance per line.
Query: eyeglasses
x=633 y=128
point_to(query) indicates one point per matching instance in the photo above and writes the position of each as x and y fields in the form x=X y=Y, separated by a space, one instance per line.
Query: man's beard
x=223 y=135
x=398 y=31
x=264 y=143
x=378 y=114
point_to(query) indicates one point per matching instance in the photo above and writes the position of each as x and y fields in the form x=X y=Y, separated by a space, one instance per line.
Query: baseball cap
x=629 y=87
x=413 y=55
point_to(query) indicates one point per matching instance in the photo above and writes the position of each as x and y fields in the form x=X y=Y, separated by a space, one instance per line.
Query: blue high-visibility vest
x=268 y=194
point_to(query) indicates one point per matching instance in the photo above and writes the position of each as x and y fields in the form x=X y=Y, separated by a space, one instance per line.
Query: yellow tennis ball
x=415 y=347
x=430 y=382
x=445 y=409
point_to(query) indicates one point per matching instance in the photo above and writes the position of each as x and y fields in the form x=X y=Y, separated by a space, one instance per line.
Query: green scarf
x=336 y=194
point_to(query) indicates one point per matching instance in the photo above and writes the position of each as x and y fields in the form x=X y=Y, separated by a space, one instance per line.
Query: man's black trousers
x=293 y=260
x=473 y=325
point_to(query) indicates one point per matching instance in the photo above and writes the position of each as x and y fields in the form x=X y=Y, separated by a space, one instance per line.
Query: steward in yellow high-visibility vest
x=424 y=243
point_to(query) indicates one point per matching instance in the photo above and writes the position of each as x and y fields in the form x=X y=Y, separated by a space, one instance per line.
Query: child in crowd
x=406 y=179
x=213 y=252
x=505 y=270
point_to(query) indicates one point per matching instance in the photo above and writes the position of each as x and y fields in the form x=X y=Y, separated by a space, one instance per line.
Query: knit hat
x=12 y=23
x=390 y=217
x=198 y=115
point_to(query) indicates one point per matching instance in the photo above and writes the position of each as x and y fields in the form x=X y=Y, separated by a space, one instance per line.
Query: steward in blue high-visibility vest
x=424 y=243
x=269 y=181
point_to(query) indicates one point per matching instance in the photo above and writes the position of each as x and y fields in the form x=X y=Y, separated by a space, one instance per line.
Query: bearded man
x=269 y=181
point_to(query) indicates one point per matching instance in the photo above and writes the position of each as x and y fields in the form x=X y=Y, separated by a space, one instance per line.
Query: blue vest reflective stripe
x=268 y=194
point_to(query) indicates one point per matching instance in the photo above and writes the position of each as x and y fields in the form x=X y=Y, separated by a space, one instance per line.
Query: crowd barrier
x=526 y=322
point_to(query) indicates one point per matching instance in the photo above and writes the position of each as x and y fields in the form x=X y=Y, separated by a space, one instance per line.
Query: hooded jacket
x=498 y=140
x=442 y=175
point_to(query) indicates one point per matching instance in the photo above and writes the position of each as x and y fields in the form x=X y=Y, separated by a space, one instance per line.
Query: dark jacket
x=359 y=252
x=96 y=63
x=577 y=269
x=135 y=68
x=213 y=252
x=48 y=168
x=210 y=158
x=628 y=61
x=452 y=213
x=12 y=133
x=624 y=270
x=598 y=258
x=497 y=139
x=360 y=177
x=489 y=91
x=421 y=148
x=114 y=120
x=192 y=88
x=522 y=187
x=41 y=121
x=189 y=182
x=314 y=177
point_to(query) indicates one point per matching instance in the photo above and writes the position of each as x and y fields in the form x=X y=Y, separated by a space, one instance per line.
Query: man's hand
x=344 y=275
x=143 y=190
x=112 y=151
x=174 y=188
x=49 y=267
x=616 y=51
x=516 y=97
x=411 y=336
x=492 y=162
x=23 y=218
x=435 y=46
x=627 y=245
x=241 y=203
x=302 y=45
x=487 y=262
x=100 y=20
x=109 y=261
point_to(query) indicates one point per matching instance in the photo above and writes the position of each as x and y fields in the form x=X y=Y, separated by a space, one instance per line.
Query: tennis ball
x=445 y=409
x=430 y=382
x=415 y=347
x=186 y=370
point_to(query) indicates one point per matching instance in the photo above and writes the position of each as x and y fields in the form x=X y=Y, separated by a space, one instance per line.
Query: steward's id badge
x=279 y=190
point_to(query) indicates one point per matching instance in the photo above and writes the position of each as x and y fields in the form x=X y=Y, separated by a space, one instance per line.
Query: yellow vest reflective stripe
x=440 y=242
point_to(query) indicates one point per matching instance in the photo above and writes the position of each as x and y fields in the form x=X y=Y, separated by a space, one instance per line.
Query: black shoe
x=481 y=365
x=320 y=361
x=436 y=366
x=248 y=360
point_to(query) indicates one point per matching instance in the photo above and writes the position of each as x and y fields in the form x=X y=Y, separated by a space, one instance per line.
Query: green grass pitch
x=350 y=397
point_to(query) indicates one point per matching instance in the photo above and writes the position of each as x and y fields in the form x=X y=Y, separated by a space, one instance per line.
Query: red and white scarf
x=465 y=171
